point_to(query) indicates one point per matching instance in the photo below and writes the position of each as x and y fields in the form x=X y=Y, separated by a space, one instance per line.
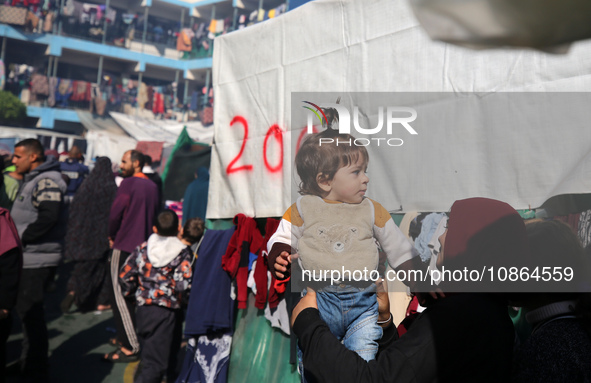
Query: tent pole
x=49 y=66
x=3 y=53
x=146 y=13
x=99 y=74
x=206 y=95
x=55 y=62
x=139 y=84
x=105 y=23
x=174 y=98
x=210 y=50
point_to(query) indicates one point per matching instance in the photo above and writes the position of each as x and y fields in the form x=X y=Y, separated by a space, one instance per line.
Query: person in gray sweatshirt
x=40 y=221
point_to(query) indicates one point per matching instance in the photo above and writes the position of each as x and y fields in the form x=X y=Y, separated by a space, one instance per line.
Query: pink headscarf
x=484 y=233
x=9 y=238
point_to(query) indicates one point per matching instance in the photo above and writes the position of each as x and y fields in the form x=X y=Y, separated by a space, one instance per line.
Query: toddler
x=334 y=226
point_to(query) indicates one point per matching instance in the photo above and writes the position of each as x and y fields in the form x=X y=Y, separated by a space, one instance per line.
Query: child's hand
x=282 y=265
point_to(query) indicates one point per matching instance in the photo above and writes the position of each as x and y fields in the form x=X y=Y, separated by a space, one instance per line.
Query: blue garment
x=76 y=171
x=206 y=359
x=194 y=99
x=351 y=314
x=428 y=228
x=195 y=199
x=210 y=314
x=210 y=307
x=251 y=258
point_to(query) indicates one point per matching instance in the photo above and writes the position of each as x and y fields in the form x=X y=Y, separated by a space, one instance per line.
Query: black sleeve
x=9 y=278
x=389 y=335
x=48 y=216
x=277 y=249
x=328 y=360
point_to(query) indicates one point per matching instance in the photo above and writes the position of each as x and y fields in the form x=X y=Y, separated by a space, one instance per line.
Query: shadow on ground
x=76 y=341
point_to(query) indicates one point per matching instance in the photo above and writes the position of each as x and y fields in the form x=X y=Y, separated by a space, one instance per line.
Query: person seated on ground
x=461 y=337
x=559 y=347
x=157 y=273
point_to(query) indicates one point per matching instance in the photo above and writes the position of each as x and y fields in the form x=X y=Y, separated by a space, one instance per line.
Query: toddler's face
x=349 y=183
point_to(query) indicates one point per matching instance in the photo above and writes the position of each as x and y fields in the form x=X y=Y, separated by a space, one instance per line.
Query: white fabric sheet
x=377 y=45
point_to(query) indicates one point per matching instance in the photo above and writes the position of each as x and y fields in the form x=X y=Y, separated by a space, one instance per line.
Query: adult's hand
x=309 y=300
x=282 y=265
x=425 y=299
x=384 y=314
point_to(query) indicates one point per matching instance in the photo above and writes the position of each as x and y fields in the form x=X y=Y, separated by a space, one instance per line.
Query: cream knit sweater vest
x=337 y=235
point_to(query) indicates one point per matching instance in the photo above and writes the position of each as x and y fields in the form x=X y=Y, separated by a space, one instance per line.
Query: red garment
x=158 y=107
x=481 y=233
x=88 y=95
x=80 y=89
x=411 y=315
x=572 y=220
x=260 y=271
x=9 y=238
x=280 y=286
x=236 y=256
x=151 y=148
x=241 y=287
x=141 y=175
x=150 y=103
x=273 y=294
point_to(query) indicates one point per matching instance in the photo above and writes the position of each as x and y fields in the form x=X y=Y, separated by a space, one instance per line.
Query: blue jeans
x=351 y=314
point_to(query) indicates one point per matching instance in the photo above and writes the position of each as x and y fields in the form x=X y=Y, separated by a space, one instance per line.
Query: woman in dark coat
x=87 y=241
x=559 y=347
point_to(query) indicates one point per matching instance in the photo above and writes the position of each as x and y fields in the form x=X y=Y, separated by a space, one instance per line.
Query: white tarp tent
x=18 y=133
x=108 y=144
x=146 y=129
x=378 y=46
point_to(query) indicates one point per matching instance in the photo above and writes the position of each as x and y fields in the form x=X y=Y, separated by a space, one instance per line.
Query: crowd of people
x=127 y=251
x=465 y=332
x=135 y=257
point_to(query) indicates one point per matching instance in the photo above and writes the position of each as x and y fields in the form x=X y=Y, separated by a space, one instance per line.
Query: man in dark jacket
x=130 y=224
x=38 y=215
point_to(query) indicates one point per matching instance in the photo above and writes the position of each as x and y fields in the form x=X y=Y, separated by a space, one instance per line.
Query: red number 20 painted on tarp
x=230 y=169
x=277 y=133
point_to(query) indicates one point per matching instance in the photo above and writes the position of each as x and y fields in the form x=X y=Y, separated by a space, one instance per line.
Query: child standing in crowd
x=334 y=227
x=158 y=272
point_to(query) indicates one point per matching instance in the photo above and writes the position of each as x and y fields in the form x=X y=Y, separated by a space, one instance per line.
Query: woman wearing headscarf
x=195 y=200
x=87 y=239
x=559 y=346
x=11 y=260
x=462 y=336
